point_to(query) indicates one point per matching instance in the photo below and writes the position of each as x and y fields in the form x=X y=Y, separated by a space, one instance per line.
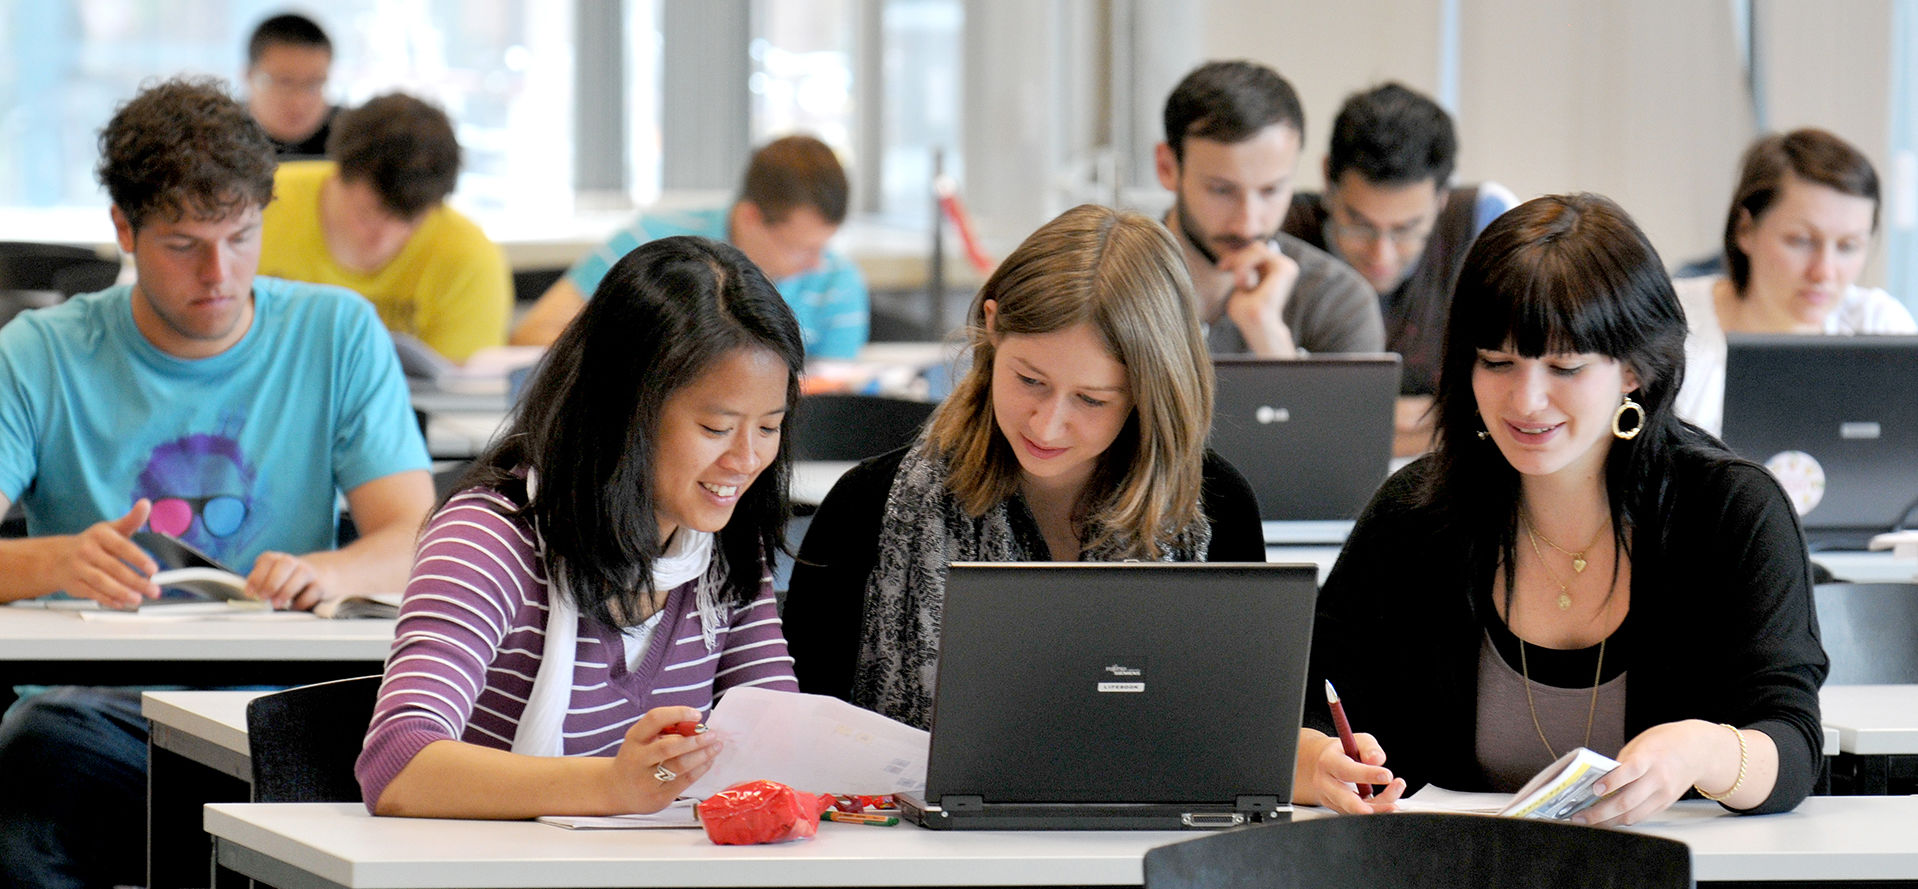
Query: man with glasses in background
x=1389 y=210
x=287 y=60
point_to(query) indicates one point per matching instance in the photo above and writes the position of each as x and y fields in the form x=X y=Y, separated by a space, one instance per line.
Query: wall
x=1641 y=100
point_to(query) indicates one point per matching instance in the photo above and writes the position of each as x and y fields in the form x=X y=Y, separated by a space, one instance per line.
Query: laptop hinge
x=962 y=803
x=1261 y=804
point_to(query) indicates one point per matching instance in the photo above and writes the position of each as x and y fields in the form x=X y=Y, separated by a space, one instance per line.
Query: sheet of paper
x=1432 y=798
x=678 y=815
x=812 y=743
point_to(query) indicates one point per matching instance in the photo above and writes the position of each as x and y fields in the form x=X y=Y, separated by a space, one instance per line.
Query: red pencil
x=686 y=729
x=1346 y=740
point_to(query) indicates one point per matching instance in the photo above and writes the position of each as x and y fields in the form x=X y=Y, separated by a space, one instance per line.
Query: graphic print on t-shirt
x=202 y=492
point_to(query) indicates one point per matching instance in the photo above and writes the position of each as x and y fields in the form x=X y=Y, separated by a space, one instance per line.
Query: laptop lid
x=1312 y=435
x=1088 y=690
x=1835 y=419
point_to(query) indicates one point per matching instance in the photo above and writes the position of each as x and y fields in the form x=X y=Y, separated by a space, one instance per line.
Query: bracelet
x=1741 y=768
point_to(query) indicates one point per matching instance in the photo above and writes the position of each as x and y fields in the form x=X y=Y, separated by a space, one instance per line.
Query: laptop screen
x=1835 y=419
x=1313 y=436
x=1123 y=683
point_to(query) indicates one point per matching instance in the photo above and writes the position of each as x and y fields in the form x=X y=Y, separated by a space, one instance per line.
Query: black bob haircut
x=589 y=422
x=1561 y=274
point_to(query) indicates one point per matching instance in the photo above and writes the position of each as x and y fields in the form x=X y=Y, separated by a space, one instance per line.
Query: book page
x=1562 y=789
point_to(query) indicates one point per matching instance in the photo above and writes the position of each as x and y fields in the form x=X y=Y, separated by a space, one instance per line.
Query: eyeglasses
x=1361 y=234
x=268 y=83
x=220 y=515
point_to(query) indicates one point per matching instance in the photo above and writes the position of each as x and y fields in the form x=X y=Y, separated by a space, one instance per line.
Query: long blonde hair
x=1121 y=273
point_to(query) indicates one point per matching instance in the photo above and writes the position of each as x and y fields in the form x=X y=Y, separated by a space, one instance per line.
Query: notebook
x=1835 y=418
x=1312 y=435
x=1109 y=696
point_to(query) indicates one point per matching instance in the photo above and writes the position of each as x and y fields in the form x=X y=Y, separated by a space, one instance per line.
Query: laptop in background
x=1835 y=418
x=1312 y=435
x=1111 y=696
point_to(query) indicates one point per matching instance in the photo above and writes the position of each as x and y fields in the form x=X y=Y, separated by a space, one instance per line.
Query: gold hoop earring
x=1637 y=427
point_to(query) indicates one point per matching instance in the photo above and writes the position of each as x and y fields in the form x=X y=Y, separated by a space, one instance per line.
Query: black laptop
x=1312 y=435
x=1835 y=418
x=1112 y=696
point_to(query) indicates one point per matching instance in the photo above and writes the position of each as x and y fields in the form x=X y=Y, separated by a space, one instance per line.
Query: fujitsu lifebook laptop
x=1312 y=435
x=1111 y=696
x=1835 y=418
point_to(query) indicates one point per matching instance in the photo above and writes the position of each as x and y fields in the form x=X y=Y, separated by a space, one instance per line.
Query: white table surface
x=1827 y=838
x=217 y=717
x=36 y=634
x=1872 y=719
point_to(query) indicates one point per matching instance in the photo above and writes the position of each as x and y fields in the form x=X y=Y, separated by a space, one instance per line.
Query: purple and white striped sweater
x=472 y=629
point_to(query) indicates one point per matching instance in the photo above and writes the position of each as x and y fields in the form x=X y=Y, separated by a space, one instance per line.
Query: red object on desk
x=761 y=812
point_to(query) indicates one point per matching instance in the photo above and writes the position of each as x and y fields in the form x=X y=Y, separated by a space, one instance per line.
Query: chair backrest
x=303 y=741
x=838 y=426
x=57 y=267
x=1870 y=631
x=1427 y=850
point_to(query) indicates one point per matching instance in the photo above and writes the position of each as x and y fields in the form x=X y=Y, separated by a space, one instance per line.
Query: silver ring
x=664 y=774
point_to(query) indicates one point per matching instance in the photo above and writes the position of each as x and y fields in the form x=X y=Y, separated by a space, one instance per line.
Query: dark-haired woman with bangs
x=601 y=574
x=1573 y=565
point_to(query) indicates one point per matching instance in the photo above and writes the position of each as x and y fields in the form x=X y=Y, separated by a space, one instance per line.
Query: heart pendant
x=1578 y=565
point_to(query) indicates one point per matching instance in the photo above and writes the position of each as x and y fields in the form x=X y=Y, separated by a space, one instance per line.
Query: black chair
x=1430 y=851
x=1870 y=631
x=837 y=426
x=34 y=276
x=303 y=741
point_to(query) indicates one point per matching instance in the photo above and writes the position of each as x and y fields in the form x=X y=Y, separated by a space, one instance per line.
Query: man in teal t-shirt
x=227 y=410
x=792 y=202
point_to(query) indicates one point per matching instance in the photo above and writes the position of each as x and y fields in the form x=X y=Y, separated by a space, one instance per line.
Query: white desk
x=49 y=646
x=1859 y=566
x=1877 y=728
x=196 y=754
x=305 y=846
x=208 y=727
x=1872 y=719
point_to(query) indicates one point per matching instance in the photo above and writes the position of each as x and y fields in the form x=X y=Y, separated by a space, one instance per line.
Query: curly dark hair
x=184 y=148
x=403 y=147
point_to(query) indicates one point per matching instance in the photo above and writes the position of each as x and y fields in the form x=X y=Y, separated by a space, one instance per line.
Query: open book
x=1561 y=790
x=192 y=580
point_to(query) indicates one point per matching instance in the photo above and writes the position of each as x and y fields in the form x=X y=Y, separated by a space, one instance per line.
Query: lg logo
x=1267 y=414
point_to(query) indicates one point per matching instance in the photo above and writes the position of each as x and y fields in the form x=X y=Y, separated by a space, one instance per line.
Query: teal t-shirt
x=240 y=453
x=830 y=301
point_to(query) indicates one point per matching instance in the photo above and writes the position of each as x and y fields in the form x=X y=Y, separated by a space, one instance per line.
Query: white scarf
x=541 y=725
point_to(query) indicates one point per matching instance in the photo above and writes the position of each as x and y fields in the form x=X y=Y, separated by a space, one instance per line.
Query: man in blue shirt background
x=793 y=200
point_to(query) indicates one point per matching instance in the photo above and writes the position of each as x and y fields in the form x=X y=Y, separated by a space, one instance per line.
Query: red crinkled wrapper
x=761 y=812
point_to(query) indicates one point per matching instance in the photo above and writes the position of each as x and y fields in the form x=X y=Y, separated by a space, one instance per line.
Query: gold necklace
x=1578 y=558
x=1597 y=673
x=1564 y=587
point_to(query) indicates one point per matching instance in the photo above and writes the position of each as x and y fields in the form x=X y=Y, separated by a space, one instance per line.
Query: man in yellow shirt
x=374 y=219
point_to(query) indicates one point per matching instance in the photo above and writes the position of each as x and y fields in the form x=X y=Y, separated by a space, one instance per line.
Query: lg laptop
x=1835 y=418
x=1312 y=435
x=1133 y=695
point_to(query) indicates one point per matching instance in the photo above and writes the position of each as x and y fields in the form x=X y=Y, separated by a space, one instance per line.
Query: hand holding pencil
x=1350 y=762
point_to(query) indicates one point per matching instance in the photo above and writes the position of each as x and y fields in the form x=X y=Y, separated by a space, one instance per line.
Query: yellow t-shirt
x=449 y=285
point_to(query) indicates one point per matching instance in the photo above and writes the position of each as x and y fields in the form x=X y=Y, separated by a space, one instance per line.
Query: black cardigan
x=825 y=605
x=1723 y=626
